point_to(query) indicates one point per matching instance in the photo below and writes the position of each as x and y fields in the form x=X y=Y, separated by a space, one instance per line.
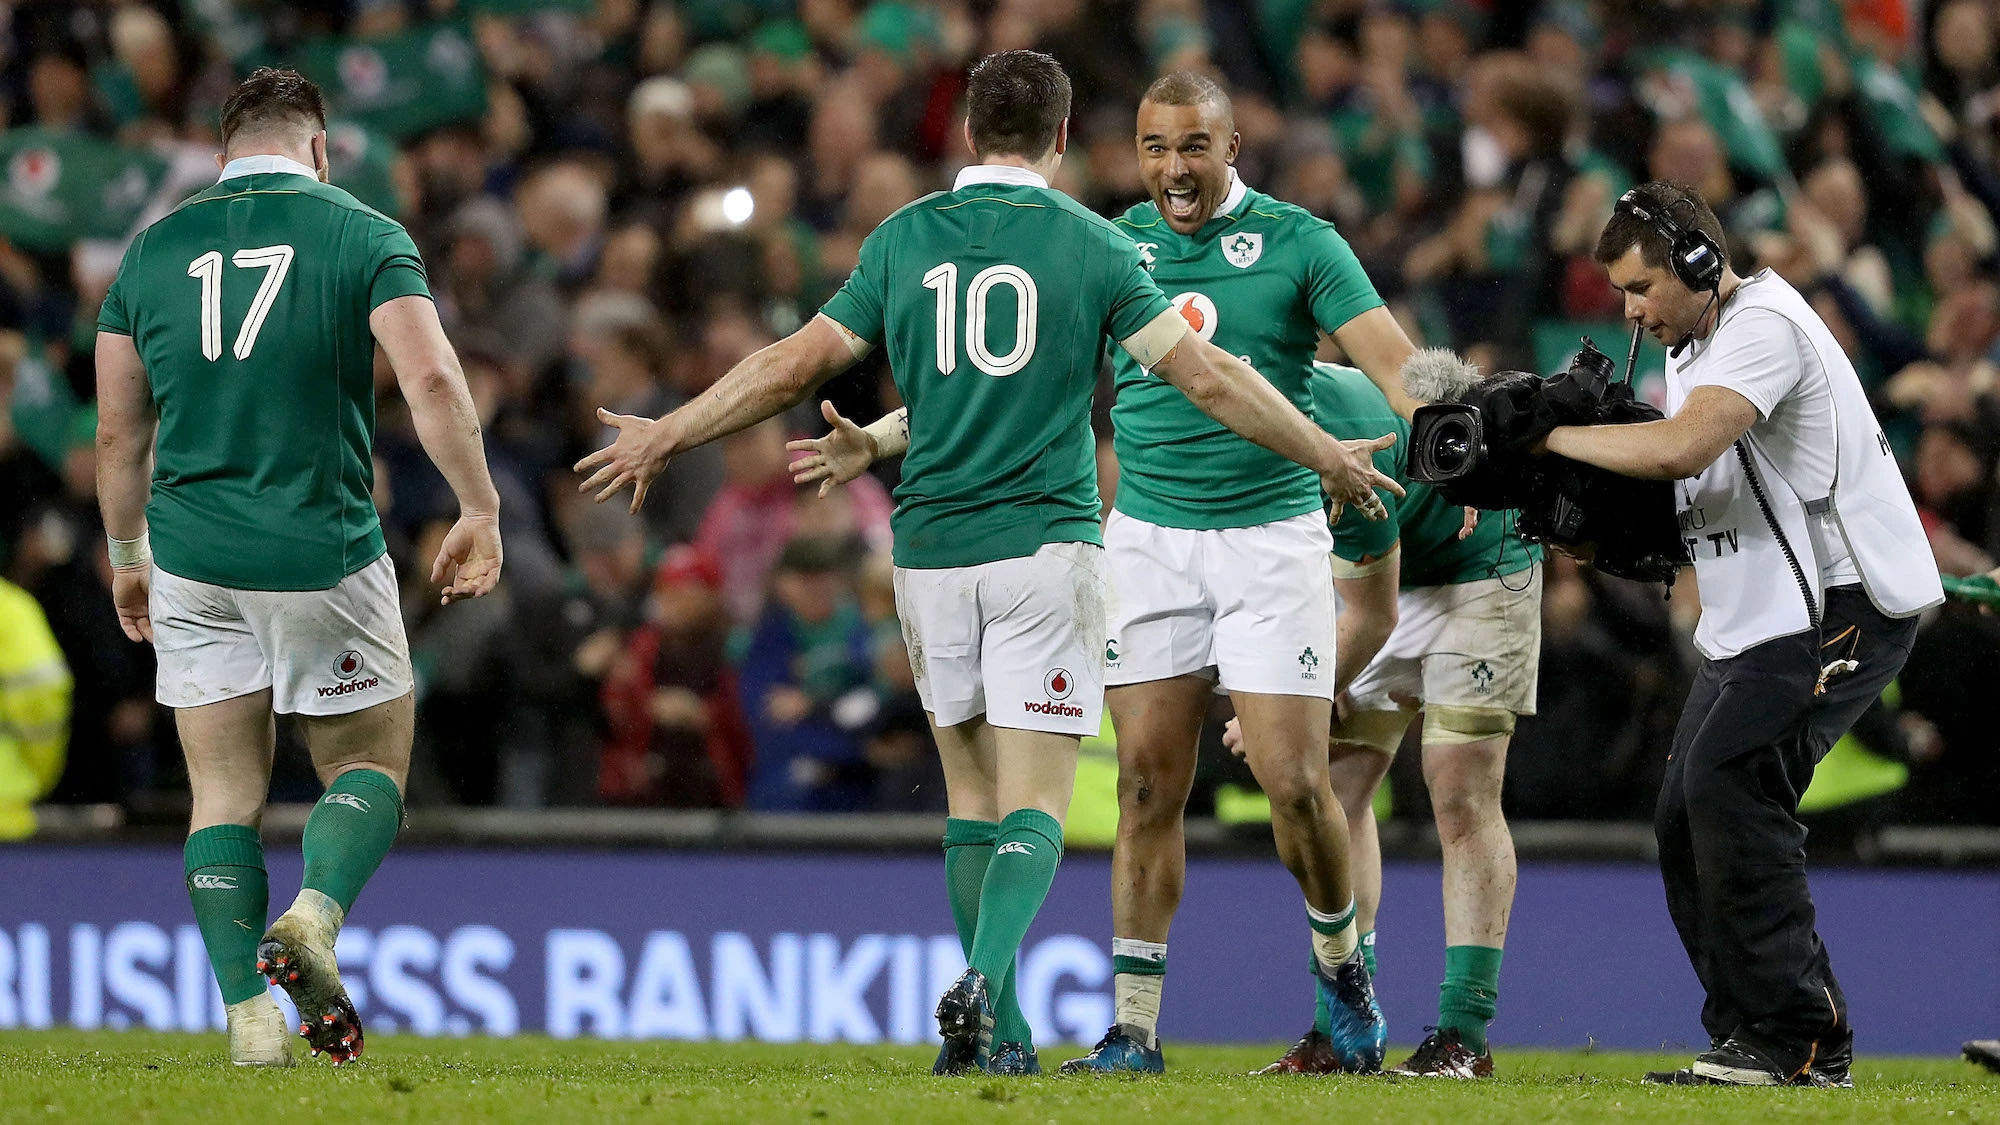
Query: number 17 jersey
x=249 y=307
x=994 y=300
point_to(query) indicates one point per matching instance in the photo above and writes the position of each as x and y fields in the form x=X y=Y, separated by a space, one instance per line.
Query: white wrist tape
x=891 y=433
x=130 y=554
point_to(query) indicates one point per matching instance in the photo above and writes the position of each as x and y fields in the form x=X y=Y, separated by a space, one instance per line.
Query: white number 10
x=944 y=279
x=275 y=261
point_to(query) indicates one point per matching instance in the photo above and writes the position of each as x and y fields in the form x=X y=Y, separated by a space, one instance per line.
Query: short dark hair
x=273 y=99
x=1677 y=201
x=1016 y=103
x=1187 y=87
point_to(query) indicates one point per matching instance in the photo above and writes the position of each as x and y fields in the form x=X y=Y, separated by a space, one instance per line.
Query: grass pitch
x=151 y=1077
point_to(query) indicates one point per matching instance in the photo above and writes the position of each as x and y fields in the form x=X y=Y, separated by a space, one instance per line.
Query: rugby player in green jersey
x=993 y=300
x=235 y=384
x=1217 y=560
x=1446 y=618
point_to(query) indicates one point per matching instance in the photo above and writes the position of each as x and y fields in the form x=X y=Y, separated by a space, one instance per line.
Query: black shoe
x=1443 y=1054
x=1738 y=1063
x=965 y=1021
x=1682 y=1077
x=1985 y=1052
x=1014 y=1059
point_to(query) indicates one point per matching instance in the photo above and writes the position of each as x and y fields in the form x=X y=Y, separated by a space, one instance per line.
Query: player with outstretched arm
x=993 y=300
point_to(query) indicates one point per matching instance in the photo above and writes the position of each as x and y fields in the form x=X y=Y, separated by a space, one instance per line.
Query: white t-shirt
x=1760 y=354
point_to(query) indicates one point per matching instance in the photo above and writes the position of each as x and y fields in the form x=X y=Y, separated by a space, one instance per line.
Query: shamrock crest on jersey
x=1243 y=248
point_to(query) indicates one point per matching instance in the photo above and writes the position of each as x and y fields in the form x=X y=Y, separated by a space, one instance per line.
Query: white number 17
x=275 y=261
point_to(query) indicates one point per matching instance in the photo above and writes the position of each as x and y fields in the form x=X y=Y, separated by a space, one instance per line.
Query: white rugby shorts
x=1020 y=641
x=1249 y=606
x=321 y=652
x=1471 y=644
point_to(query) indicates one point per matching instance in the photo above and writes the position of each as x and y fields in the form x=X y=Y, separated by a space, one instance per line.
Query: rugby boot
x=1121 y=1051
x=1443 y=1054
x=965 y=1021
x=297 y=956
x=257 y=1033
x=1985 y=1052
x=1357 y=1031
x=1312 y=1054
x=1015 y=1060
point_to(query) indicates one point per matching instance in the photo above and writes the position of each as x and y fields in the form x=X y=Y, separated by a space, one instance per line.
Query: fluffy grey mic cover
x=1437 y=375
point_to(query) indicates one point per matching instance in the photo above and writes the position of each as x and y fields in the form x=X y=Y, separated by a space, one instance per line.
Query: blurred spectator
x=805 y=683
x=676 y=733
x=485 y=285
x=900 y=750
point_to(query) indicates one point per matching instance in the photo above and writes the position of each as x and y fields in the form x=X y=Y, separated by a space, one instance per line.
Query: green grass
x=148 y=1077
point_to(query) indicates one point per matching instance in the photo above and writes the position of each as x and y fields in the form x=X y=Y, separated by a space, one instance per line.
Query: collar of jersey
x=1009 y=174
x=264 y=163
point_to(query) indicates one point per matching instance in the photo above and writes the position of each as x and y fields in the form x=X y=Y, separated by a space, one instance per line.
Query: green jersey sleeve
x=1336 y=286
x=399 y=269
x=1136 y=300
x=858 y=305
x=113 y=315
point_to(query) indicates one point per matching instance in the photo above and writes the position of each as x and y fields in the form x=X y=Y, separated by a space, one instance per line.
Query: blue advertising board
x=681 y=945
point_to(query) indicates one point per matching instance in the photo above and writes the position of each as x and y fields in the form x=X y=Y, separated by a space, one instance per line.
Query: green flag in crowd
x=401 y=85
x=363 y=163
x=58 y=186
x=1726 y=103
x=1892 y=105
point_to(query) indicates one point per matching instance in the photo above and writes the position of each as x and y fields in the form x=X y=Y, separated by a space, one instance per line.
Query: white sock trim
x=1341 y=918
x=1142 y=950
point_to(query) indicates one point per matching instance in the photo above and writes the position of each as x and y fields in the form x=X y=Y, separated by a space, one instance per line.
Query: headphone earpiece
x=1692 y=255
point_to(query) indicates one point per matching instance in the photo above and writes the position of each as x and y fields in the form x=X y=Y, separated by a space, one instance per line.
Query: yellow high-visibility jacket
x=34 y=710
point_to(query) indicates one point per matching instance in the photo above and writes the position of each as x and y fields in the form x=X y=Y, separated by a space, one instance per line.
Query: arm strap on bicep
x=857 y=346
x=1153 y=343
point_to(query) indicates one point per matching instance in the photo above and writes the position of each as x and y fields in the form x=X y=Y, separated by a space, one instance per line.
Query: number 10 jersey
x=995 y=300
x=249 y=306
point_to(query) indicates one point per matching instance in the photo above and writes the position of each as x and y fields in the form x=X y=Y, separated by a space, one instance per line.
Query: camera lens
x=1451 y=451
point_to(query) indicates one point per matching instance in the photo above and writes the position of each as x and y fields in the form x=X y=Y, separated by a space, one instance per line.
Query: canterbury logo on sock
x=214 y=883
x=348 y=799
x=1015 y=847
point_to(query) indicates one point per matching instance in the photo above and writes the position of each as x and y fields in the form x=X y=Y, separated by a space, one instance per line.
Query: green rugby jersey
x=249 y=306
x=994 y=300
x=1350 y=407
x=1261 y=280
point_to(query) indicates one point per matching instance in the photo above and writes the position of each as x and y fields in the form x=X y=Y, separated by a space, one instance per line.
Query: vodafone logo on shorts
x=1058 y=685
x=347 y=667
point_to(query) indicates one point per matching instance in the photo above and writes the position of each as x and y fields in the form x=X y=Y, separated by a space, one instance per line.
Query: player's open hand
x=131 y=593
x=835 y=459
x=1353 y=478
x=468 y=564
x=630 y=459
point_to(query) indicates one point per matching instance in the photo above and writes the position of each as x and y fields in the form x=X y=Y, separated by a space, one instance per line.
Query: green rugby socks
x=1025 y=855
x=231 y=895
x=1470 y=993
x=349 y=832
x=968 y=849
x=1368 y=952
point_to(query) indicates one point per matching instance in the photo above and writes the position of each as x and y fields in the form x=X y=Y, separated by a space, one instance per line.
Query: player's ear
x=221 y=161
x=320 y=162
x=969 y=146
x=1062 y=137
x=1235 y=146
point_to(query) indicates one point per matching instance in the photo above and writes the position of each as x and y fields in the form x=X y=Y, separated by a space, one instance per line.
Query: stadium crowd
x=617 y=200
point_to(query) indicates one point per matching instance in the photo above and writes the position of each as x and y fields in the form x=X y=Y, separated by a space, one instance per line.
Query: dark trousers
x=1732 y=850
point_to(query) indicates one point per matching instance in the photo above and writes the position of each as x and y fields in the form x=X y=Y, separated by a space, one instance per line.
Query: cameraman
x=1812 y=567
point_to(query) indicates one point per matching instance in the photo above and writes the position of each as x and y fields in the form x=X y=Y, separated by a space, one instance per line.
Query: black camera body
x=1478 y=451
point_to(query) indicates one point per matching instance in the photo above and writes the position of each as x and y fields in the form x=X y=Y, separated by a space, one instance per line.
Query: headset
x=1692 y=255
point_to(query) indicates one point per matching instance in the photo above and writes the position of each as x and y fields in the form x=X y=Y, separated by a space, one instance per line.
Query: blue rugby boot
x=1014 y=1060
x=1119 y=1052
x=965 y=1021
x=1357 y=1032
